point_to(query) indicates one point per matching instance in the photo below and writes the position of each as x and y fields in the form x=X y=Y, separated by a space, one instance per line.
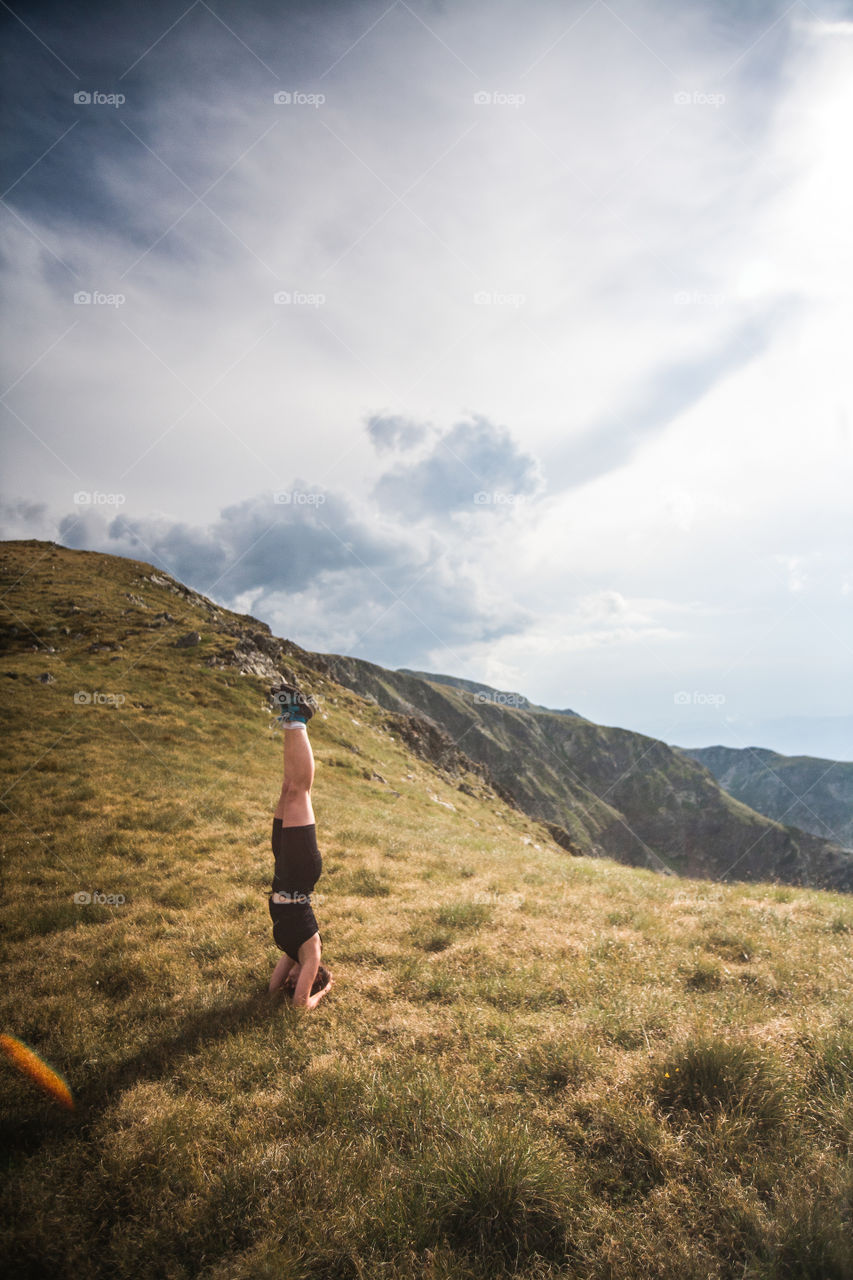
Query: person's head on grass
x=320 y=981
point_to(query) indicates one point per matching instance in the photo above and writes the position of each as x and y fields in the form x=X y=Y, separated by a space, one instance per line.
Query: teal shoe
x=295 y=706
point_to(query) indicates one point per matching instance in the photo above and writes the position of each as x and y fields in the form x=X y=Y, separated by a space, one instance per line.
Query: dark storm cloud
x=258 y=544
x=314 y=568
x=471 y=458
x=169 y=63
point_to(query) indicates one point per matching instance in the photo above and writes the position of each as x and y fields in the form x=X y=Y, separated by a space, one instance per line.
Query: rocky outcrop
x=254 y=653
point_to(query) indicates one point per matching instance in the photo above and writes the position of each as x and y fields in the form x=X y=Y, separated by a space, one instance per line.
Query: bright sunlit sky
x=556 y=394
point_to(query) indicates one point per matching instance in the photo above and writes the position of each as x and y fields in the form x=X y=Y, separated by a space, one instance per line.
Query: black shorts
x=298 y=867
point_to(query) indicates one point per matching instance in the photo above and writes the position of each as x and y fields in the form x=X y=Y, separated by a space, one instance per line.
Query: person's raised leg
x=294 y=805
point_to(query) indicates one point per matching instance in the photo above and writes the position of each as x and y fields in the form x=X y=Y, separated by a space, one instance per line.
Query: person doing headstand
x=298 y=863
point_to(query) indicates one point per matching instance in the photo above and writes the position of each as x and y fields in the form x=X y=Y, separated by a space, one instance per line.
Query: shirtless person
x=298 y=864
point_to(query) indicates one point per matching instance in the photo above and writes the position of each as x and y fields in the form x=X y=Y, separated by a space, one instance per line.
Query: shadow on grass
x=24 y=1134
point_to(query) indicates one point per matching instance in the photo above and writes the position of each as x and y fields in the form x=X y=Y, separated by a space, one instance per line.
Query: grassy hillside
x=530 y=1064
x=815 y=795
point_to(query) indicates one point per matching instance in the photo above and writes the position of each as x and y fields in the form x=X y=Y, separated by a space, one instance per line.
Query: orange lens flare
x=28 y=1062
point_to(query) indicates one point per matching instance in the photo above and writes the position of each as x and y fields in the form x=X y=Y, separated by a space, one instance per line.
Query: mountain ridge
x=491 y=694
x=811 y=793
x=605 y=791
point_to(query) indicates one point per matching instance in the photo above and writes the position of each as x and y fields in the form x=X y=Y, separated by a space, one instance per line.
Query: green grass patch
x=463 y=915
x=363 y=883
x=502 y=1196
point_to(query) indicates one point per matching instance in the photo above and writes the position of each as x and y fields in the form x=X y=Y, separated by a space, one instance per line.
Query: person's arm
x=282 y=971
x=305 y=981
x=314 y=1000
x=310 y=953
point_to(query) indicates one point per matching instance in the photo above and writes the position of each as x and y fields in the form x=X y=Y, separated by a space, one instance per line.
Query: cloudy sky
x=497 y=339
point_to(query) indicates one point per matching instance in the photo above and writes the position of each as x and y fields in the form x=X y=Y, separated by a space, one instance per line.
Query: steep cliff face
x=605 y=791
x=814 y=795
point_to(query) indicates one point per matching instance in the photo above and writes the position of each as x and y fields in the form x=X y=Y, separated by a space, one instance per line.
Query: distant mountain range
x=823 y=737
x=814 y=795
x=601 y=791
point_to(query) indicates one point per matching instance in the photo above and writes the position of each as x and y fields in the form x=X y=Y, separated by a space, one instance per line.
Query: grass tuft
x=552 y=1065
x=363 y=883
x=714 y=1078
x=464 y=915
x=500 y=1195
